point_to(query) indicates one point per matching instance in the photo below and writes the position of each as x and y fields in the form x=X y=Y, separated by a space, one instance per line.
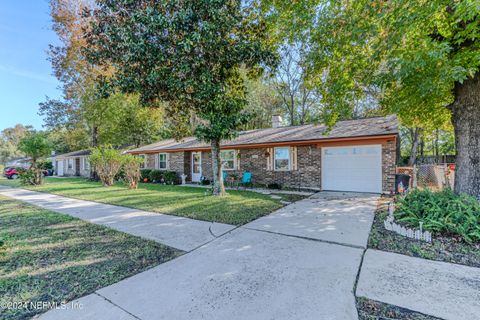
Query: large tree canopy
x=10 y=139
x=189 y=54
x=419 y=58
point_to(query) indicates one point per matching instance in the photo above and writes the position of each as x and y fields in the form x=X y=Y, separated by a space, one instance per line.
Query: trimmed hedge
x=156 y=176
x=145 y=174
x=160 y=176
x=170 y=177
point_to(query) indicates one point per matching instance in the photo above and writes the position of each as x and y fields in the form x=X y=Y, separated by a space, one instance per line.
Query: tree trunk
x=38 y=173
x=422 y=148
x=94 y=143
x=94 y=137
x=218 y=186
x=415 y=141
x=465 y=115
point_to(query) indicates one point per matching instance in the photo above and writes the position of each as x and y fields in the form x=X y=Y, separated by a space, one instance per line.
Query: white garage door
x=356 y=168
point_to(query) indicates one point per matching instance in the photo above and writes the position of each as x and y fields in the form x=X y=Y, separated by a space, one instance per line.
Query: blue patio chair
x=246 y=179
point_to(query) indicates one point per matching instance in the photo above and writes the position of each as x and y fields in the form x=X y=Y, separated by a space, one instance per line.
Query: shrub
x=145 y=174
x=44 y=164
x=107 y=162
x=156 y=176
x=170 y=177
x=120 y=176
x=204 y=181
x=131 y=170
x=30 y=176
x=274 y=186
x=443 y=212
x=34 y=145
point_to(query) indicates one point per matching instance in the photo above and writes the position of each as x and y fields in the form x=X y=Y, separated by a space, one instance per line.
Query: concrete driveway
x=301 y=262
x=338 y=217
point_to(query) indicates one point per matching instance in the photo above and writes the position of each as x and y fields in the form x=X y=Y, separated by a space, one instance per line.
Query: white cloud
x=27 y=74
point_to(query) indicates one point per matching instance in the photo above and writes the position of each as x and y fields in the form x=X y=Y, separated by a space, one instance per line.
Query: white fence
x=417 y=234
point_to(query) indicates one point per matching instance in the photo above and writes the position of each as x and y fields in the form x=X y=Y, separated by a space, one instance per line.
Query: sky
x=25 y=73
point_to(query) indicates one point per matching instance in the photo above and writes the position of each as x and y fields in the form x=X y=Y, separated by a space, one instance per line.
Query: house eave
x=356 y=140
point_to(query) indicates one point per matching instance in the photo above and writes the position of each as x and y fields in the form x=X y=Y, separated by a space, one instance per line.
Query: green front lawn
x=54 y=258
x=238 y=208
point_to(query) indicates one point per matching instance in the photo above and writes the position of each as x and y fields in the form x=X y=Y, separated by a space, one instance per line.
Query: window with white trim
x=86 y=164
x=162 y=161
x=227 y=157
x=282 y=159
x=70 y=163
x=143 y=164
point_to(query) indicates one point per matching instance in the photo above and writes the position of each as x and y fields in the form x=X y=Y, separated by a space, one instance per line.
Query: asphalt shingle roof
x=343 y=129
x=78 y=153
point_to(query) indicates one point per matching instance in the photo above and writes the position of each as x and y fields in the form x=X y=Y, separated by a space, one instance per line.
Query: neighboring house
x=72 y=164
x=355 y=155
x=18 y=162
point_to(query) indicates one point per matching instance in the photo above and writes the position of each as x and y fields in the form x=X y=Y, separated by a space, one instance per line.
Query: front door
x=196 y=166
x=60 y=168
x=77 y=166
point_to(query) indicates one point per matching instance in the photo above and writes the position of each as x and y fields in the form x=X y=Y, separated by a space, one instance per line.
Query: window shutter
x=270 y=159
x=157 y=165
x=293 y=158
x=168 y=161
x=237 y=159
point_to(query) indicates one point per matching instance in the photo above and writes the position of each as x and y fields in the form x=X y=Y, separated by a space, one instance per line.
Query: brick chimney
x=276 y=121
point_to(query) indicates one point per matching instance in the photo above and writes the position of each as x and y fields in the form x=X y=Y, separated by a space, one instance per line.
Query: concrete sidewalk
x=178 y=232
x=440 y=289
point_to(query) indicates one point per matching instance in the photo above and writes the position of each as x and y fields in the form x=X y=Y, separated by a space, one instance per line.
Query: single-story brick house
x=355 y=155
x=72 y=164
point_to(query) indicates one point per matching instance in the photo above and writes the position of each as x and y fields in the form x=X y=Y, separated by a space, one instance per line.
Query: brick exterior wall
x=176 y=162
x=389 y=162
x=207 y=169
x=307 y=175
x=187 y=165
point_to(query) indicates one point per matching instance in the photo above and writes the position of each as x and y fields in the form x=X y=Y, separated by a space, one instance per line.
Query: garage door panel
x=355 y=168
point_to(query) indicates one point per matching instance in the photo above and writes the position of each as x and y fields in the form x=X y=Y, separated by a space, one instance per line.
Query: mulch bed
x=374 y=310
x=445 y=249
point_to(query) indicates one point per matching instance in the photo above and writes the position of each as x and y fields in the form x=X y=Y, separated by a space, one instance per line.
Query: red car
x=10 y=173
x=13 y=172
